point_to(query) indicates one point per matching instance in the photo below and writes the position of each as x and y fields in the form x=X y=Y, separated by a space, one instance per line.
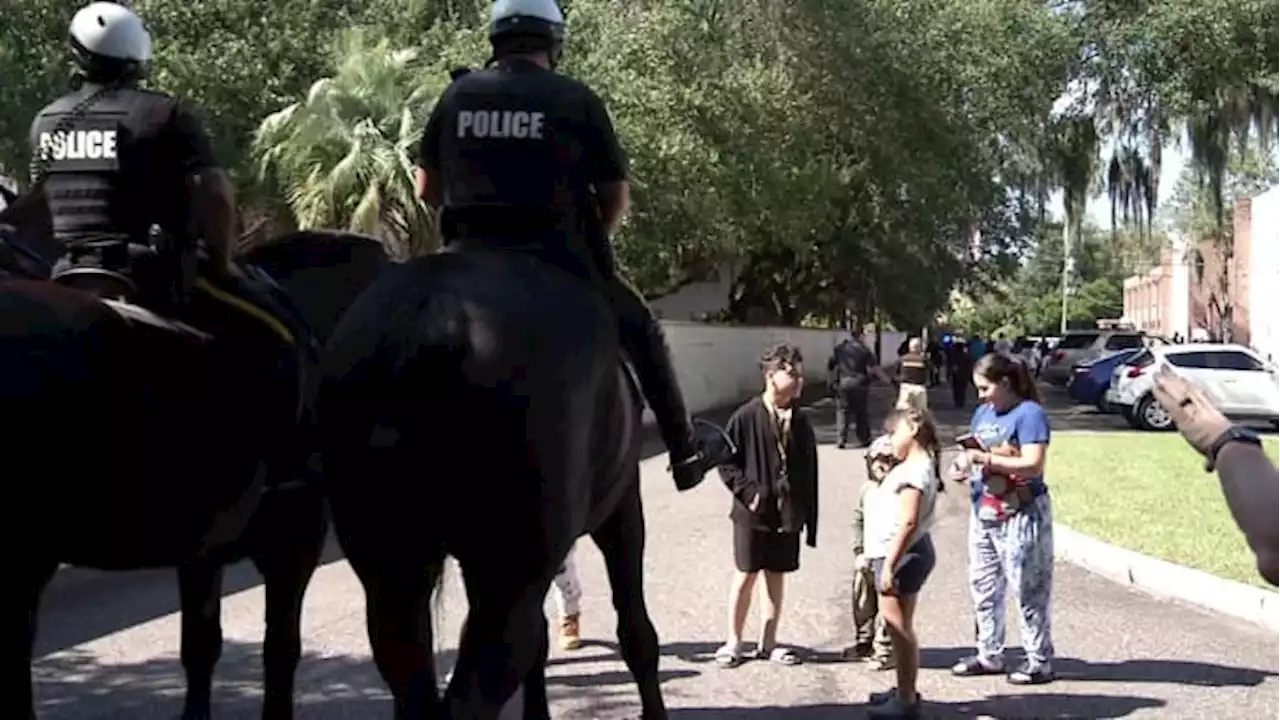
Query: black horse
x=136 y=443
x=474 y=404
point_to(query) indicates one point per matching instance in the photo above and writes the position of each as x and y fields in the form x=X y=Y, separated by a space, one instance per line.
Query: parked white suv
x=1237 y=380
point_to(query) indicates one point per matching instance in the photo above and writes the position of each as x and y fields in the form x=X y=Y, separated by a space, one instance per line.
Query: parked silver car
x=1079 y=346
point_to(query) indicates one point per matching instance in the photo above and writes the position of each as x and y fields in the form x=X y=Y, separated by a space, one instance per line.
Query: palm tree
x=343 y=155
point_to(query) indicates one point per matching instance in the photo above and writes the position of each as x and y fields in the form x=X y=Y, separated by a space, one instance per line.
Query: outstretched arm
x=1250 y=485
x=1247 y=476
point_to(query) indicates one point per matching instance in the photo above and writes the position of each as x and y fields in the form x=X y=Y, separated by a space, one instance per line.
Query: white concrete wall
x=718 y=365
x=1264 y=273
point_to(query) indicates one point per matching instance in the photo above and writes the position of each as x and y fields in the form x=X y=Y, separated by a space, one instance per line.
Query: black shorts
x=913 y=569
x=756 y=550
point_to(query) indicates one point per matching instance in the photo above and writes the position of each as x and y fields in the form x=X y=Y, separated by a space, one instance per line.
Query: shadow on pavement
x=816 y=712
x=73 y=609
x=613 y=677
x=1180 y=672
x=74 y=685
x=1046 y=705
x=1041 y=707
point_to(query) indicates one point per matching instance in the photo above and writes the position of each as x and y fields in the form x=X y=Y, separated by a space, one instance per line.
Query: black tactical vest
x=914 y=369
x=103 y=167
x=511 y=159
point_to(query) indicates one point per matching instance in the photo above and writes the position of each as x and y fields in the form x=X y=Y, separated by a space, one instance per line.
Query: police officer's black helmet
x=109 y=42
x=527 y=25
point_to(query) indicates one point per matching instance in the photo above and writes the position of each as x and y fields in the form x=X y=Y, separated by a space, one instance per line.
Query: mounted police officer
x=116 y=162
x=521 y=157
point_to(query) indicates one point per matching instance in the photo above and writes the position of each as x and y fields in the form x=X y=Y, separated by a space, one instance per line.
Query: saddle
x=120 y=293
x=138 y=294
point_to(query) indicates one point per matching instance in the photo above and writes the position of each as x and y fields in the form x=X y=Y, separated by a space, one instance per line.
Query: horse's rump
x=125 y=443
x=490 y=361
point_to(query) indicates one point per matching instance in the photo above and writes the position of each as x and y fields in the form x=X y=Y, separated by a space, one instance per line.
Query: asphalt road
x=108 y=645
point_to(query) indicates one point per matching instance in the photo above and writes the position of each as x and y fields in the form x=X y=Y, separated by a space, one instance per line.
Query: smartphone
x=969 y=442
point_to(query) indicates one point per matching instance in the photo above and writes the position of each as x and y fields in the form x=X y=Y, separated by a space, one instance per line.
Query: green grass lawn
x=1148 y=492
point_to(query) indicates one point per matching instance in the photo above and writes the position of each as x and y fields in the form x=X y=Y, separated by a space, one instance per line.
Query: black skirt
x=756 y=550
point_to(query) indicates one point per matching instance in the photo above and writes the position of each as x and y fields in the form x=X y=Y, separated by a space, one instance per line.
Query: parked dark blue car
x=1090 y=380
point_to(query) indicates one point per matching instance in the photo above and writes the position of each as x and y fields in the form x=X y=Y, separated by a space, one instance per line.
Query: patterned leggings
x=1016 y=553
x=568 y=589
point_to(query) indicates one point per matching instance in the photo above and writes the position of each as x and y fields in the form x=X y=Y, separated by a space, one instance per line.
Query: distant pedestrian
x=774 y=482
x=913 y=377
x=977 y=348
x=1002 y=344
x=961 y=369
x=937 y=361
x=1011 y=526
x=871 y=635
x=567 y=589
x=850 y=369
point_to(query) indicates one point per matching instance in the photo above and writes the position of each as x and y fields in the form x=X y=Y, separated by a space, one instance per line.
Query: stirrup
x=714 y=448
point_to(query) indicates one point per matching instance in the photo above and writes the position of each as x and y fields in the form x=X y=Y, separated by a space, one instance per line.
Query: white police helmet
x=107 y=35
x=526 y=18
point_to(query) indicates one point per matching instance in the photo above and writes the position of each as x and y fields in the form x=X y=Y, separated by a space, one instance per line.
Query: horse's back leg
x=200 y=595
x=621 y=541
x=505 y=635
x=398 y=614
x=18 y=694
x=291 y=530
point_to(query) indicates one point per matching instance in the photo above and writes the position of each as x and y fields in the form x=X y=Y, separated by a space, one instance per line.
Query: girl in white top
x=899 y=516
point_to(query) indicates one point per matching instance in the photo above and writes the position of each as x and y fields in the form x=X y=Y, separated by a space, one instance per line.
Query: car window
x=1123 y=342
x=1235 y=360
x=1191 y=360
x=1077 y=341
x=1142 y=359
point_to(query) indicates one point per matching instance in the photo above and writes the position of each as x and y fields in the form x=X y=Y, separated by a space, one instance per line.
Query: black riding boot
x=643 y=339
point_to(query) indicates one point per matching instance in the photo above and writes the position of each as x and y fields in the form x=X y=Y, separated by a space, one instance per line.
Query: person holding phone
x=1011 y=523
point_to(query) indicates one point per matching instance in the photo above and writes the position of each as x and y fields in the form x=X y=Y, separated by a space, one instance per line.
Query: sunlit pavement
x=109 y=643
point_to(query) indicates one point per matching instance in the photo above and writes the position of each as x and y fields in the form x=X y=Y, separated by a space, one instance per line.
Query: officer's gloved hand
x=1192 y=411
x=709 y=447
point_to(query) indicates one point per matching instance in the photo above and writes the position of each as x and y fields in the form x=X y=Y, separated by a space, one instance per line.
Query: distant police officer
x=851 y=366
x=518 y=156
x=116 y=160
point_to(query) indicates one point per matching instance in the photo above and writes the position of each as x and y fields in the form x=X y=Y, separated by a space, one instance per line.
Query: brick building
x=1190 y=293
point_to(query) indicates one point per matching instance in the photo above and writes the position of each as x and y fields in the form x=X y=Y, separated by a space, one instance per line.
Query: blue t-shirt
x=1025 y=424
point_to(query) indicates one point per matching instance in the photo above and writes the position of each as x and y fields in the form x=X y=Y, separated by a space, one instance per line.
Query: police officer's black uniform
x=517 y=150
x=850 y=366
x=114 y=161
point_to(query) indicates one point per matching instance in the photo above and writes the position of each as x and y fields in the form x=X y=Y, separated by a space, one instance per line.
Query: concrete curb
x=1159 y=577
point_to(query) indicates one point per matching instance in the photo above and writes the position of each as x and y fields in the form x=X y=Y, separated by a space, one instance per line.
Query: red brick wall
x=1206 y=280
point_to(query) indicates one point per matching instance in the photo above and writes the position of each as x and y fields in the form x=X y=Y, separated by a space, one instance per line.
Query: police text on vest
x=500 y=124
x=79 y=145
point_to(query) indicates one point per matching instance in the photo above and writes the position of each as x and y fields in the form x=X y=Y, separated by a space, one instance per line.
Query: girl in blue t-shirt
x=1011 y=526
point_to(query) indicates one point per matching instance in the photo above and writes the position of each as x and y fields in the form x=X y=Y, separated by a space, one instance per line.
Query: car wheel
x=1151 y=416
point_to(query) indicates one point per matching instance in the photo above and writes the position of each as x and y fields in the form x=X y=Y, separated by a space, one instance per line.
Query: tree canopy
x=863 y=155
